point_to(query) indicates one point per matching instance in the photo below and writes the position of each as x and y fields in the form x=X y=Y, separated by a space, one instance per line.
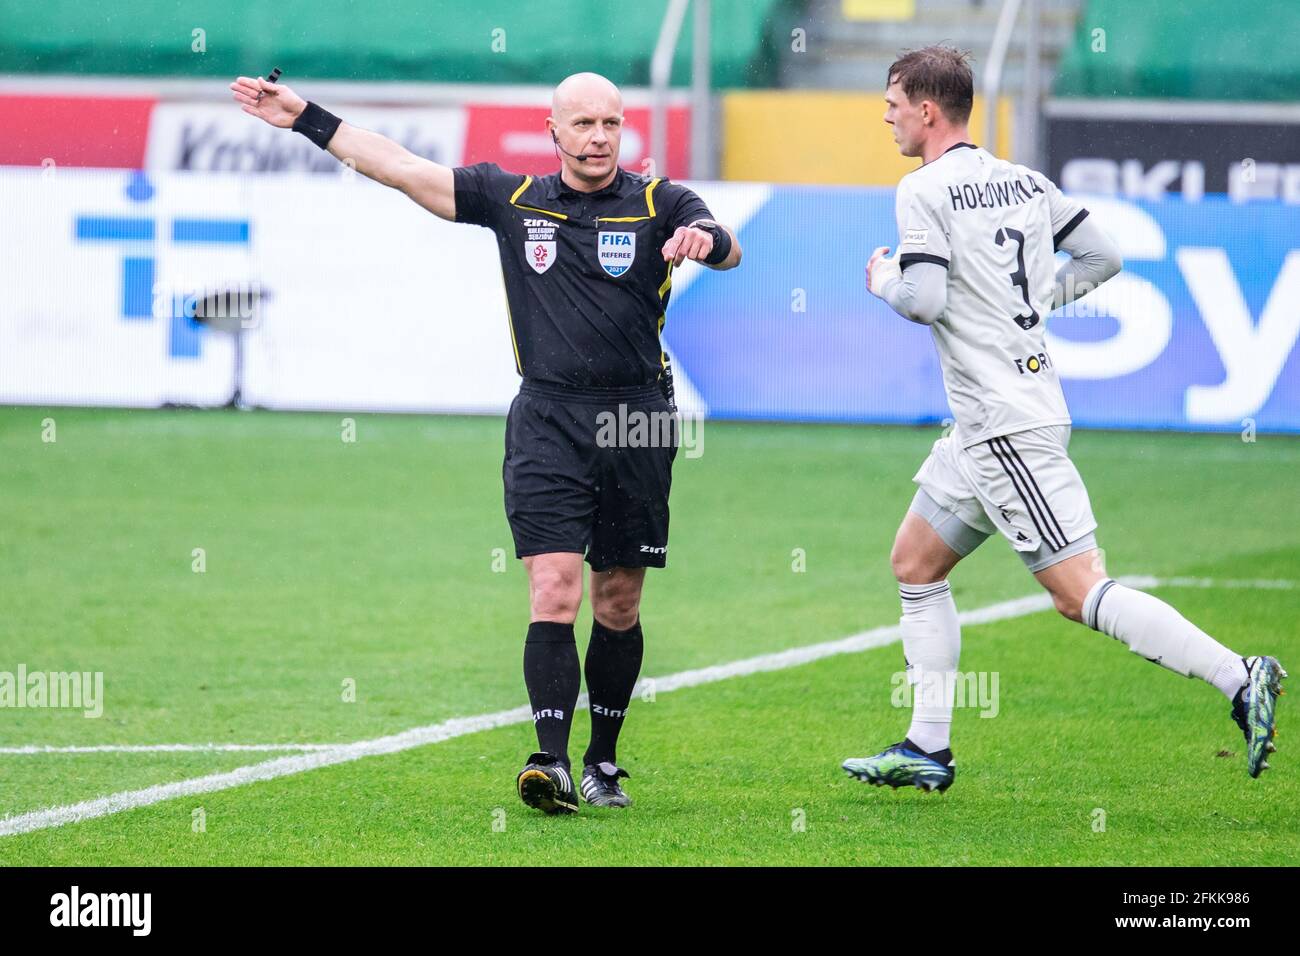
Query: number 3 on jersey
x=1019 y=278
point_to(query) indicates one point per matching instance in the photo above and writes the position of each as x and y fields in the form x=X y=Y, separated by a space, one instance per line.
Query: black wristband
x=721 y=241
x=317 y=125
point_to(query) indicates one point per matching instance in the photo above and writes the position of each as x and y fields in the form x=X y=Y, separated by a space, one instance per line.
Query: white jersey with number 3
x=995 y=226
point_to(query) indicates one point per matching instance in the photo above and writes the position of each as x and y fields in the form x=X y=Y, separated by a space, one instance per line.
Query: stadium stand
x=1162 y=51
x=379 y=42
x=851 y=44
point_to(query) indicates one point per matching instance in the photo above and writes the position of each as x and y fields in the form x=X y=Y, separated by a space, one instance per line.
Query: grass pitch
x=374 y=565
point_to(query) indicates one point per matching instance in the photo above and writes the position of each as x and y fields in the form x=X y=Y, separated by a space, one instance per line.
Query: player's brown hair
x=938 y=73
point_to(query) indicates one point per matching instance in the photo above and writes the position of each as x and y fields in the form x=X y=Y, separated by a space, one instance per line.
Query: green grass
x=373 y=562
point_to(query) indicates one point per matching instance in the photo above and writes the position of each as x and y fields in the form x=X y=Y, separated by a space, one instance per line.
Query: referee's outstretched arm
x=378 y=157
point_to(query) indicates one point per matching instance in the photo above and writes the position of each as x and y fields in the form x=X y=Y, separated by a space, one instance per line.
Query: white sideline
x=460 y=726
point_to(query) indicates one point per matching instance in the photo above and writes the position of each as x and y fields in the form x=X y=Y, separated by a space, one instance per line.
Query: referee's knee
x=556 y=606
x=618 y=613
x=616 y=598
x=555 y=595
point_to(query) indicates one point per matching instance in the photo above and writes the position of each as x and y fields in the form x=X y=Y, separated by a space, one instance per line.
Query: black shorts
x=589 y=472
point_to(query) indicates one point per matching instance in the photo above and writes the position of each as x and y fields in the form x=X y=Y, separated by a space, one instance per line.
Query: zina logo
x=102 y=909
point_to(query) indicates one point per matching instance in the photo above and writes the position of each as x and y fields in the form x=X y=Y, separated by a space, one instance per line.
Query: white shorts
x=1022 y=485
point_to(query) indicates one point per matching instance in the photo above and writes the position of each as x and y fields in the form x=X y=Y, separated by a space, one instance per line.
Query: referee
x=587 y=254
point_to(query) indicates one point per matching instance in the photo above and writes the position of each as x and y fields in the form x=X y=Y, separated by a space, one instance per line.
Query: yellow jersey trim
x=649 y=205
x=510 y=323
x=663 y=289
x=528 y=181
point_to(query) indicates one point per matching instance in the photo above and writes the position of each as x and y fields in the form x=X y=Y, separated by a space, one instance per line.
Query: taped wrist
x=317 y=124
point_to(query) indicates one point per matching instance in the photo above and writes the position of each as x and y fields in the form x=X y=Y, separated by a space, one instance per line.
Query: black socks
x=612 y=667
x=552 y=676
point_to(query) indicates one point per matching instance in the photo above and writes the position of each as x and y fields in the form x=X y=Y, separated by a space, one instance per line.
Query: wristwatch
x=708 y=225
x=721 y=240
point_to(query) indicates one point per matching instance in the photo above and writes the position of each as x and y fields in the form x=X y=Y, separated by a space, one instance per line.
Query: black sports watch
x=721 y=240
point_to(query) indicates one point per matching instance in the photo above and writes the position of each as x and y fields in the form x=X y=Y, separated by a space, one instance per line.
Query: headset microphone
x=580 y=157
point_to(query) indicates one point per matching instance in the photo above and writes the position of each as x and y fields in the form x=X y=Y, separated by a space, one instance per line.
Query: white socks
x=1154 y=630
x=1230 y=675
x=932 y=645
x=1147 y=625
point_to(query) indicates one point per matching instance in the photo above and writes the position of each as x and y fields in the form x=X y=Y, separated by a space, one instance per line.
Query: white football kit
x=976 y=263
x=995 y=227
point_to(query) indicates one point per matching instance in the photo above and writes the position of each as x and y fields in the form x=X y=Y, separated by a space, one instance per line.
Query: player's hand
x=688 y=243
x=876 y=275
x=273 y=102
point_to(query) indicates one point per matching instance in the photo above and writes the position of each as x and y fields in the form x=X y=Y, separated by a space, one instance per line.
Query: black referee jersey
x=586 y=283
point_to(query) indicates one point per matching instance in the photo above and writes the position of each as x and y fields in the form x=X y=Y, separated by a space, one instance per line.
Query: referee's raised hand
x=273 y=102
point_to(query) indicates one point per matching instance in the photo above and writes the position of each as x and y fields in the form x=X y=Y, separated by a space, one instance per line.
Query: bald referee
x=587 y=254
